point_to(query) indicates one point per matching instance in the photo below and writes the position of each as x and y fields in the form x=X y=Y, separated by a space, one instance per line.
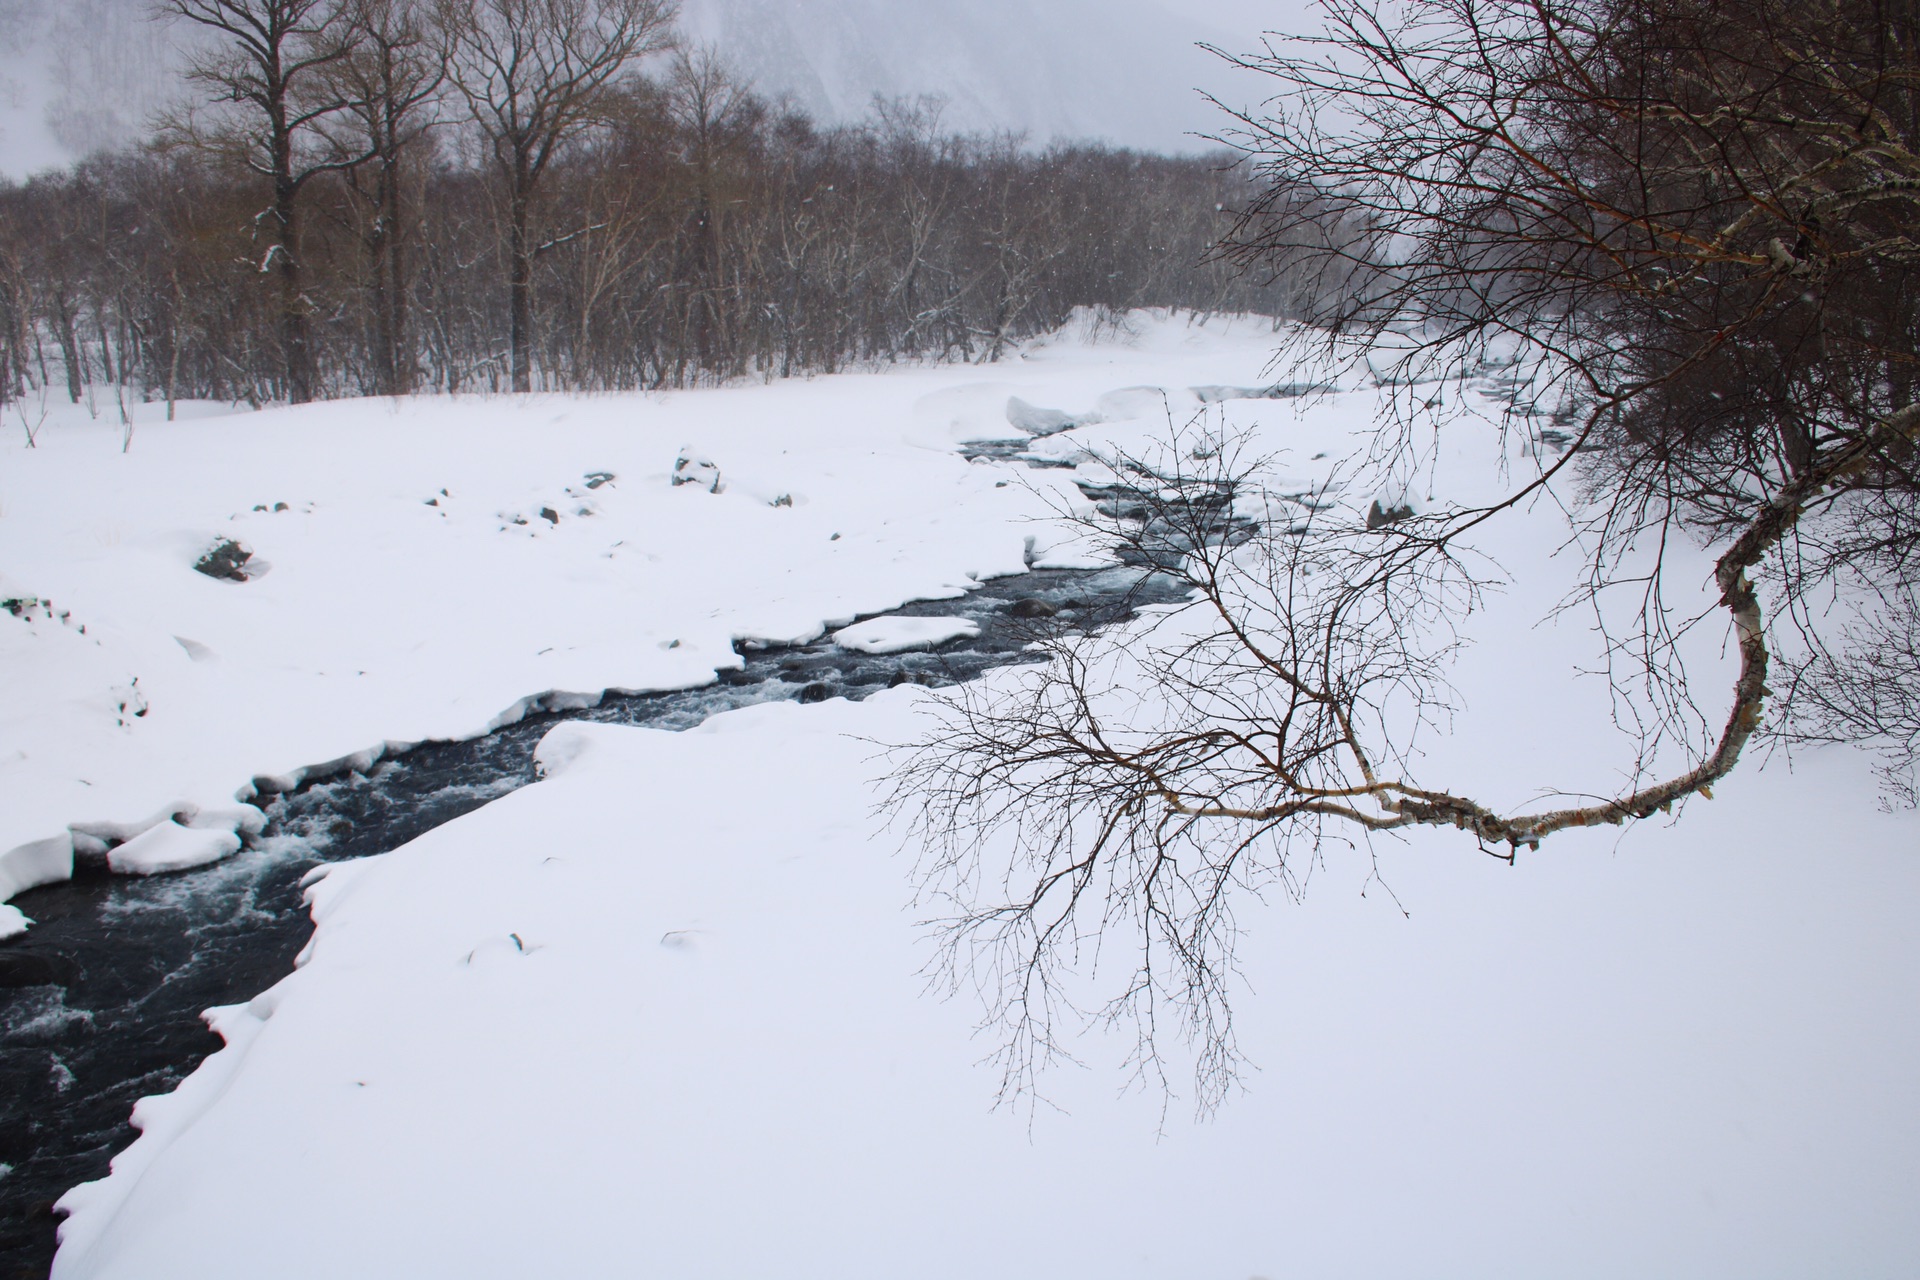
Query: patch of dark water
x=100 y=1001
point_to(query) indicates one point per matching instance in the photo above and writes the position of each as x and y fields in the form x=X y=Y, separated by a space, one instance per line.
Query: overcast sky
x=77 y=74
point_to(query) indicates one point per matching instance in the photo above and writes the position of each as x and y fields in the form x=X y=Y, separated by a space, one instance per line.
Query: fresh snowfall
x=666 y=1011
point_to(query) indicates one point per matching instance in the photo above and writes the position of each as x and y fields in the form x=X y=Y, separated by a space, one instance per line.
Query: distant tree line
x=383 y=197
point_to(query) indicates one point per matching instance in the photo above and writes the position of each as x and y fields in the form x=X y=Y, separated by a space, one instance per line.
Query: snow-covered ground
x=661 y=1013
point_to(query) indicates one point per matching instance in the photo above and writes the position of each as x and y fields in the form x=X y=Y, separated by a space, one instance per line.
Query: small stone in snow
x=550 y=515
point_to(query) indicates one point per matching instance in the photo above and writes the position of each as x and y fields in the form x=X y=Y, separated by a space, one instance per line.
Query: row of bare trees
x=383 y=196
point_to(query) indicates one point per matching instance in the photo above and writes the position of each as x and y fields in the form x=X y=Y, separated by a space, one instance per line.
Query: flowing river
x=100 y=1002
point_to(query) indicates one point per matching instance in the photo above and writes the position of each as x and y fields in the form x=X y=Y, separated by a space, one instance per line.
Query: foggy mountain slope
x=78 y=75
x=1119 y=70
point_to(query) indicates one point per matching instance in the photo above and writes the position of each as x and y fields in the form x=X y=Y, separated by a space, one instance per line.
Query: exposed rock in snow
x=229 y=560
x=1381 y=514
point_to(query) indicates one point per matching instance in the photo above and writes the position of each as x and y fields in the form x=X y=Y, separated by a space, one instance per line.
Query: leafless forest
x=376 y=198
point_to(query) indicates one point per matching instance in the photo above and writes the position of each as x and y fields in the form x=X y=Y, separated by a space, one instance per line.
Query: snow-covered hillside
x=663 y=1012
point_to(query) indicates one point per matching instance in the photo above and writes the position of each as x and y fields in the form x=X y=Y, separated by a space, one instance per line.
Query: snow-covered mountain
x=81 y=74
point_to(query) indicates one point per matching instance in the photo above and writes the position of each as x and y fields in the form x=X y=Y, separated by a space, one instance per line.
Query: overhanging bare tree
x=1689 y=226
x=536 y=74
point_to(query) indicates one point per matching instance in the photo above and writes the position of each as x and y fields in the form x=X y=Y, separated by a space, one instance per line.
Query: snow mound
x=898 y=635
x=12 y=921
x=1036 y=421
x=171 y=847
x=566 y=743
x=37 y=862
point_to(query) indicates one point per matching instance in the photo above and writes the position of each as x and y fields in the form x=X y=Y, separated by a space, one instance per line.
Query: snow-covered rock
x=172 y=847
x=1036 y=421
x=901 y=635
x=691 y=468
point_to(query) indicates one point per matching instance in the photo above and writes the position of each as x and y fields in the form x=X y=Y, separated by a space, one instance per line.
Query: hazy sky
x=1246 y=17
x=76 y=74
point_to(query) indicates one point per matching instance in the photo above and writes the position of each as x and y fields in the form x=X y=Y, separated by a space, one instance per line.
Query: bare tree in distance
x=270 y=67
x=390 y=82
x=1682 y=232
x=718 y=116
x=536 y=74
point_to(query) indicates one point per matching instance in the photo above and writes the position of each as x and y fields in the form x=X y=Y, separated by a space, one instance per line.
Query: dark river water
x=100 y=1002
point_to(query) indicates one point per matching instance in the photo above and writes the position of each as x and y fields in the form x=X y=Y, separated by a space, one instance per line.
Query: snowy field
x=661 y=1013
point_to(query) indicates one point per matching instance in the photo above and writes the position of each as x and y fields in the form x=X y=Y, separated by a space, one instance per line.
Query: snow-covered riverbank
x=659 y=1015
x=422 y=568
x=662 y=1012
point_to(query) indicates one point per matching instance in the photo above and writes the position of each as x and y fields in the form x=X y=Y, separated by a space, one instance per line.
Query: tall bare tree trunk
x=520 y=251
x=69 y=349
x=295 y=331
